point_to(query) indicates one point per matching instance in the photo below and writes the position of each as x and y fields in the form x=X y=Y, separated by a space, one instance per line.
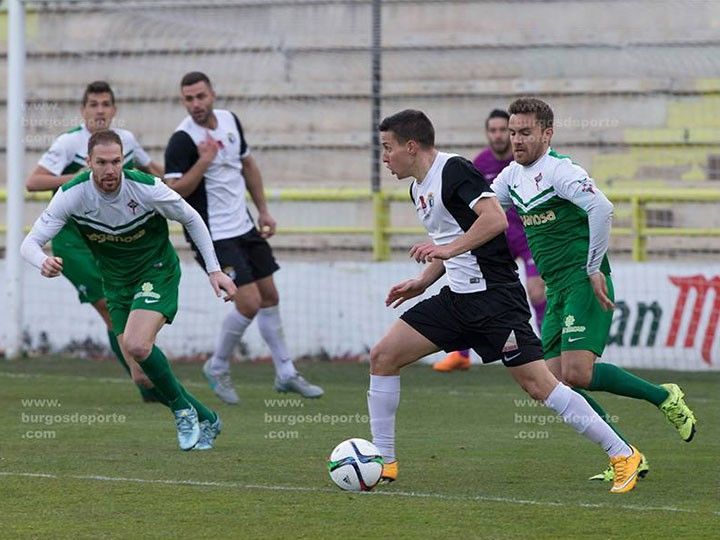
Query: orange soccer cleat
x=454 y=360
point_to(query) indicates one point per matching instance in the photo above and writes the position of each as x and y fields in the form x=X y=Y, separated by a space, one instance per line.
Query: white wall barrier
x=666 y=316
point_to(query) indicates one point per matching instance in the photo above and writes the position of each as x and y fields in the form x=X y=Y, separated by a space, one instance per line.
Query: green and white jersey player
x=63 y=160
x=121 y=216
x=567 y=221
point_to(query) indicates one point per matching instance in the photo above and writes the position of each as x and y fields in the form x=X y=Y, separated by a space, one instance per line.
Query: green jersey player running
x=122 y=217
x=567 y=221
x=64 y=159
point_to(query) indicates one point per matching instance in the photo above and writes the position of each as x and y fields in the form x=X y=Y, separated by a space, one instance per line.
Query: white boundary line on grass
x=409 y=494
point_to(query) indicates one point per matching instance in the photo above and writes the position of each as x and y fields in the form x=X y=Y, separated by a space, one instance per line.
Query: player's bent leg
x=577 y=368
x=138 y=340
x=537 y=380
x=217 y=367
x=453 y=361
x=287 y=379
x=149 y=395
x=401 y=345
x=555 y=367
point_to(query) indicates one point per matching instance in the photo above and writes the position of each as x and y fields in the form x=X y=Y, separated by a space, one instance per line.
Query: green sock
x=602 y=413
x=115 y=346
x=144 y=392
x=203 y=412
x=613 y=379
x=157 y=368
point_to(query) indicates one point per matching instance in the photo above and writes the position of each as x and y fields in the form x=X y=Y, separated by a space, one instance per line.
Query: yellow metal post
x=381 y=223
x=639 y=247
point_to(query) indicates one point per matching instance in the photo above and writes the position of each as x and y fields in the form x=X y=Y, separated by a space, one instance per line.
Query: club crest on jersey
x=231 y=137
x=538 y=179
x=132 y=205
x=587 y=185
x=426 y=204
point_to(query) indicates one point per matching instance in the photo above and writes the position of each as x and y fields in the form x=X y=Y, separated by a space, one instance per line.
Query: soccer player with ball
x=484 y=307
x=122 y=216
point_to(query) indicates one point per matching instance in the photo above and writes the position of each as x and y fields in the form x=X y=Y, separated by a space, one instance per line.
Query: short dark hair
x=410 y=125
x=195 y=77
x=104 y=136
x=97 y=87
x=496 y=113
x=530 y=105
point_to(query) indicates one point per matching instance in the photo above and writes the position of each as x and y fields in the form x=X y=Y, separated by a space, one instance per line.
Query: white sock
x=383 y=400
x=271 y=330
x=231 y=330
x=577 y=412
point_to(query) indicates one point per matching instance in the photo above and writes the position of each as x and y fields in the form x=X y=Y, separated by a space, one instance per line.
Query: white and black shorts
x=494 y=323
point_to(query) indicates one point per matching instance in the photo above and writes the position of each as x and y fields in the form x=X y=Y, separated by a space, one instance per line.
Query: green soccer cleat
x=678 y=413
x=608 y=475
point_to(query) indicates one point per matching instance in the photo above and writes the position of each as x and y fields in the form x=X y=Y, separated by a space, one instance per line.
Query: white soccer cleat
x=299 y=385
x=221 y=384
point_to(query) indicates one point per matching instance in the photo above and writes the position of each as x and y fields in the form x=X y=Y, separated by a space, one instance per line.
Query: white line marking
x=408 y=494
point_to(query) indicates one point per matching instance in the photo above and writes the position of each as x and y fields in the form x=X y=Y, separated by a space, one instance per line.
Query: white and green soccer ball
x=355 y=465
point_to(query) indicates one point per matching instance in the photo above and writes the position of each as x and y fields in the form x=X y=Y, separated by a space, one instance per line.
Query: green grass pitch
x=477 y=460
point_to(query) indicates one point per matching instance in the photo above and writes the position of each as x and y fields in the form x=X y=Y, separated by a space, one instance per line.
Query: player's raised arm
x=170 y=205
x=45 y=228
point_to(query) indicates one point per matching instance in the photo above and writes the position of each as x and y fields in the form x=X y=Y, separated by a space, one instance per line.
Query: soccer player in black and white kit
x=484 y=307
x=208 y=162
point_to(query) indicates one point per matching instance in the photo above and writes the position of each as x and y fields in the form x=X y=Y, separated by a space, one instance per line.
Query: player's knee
x=270 y=298
x=136 y=348
x=381 y=361
x=572 y=376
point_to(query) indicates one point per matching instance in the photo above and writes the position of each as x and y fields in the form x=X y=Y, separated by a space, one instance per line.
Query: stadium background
x=636 y=103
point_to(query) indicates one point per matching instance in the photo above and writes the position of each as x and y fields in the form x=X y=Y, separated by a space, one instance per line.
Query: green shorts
x=79 y=264
x=154 y=290
x=575 y=321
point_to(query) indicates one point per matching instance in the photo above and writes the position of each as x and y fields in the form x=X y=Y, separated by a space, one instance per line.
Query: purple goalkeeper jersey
x=490 y=167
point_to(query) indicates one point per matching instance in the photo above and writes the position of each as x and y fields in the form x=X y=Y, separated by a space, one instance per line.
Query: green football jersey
x=552 y=197
x=126 y=230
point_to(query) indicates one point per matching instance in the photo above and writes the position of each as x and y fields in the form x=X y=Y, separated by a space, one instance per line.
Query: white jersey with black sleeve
x=220 y=196
x=444 y=202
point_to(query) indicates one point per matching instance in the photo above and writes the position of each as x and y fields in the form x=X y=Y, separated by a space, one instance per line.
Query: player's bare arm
x=491 y=221
x=415 y=287
x=153 y=168
x=254 y=183
x=43 y=180
x=188 y=182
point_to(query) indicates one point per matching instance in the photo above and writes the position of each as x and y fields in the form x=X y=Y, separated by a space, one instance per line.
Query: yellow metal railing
x=382 y=229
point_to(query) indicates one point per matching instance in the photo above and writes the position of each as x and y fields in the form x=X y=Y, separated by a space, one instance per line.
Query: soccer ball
x=355 y=465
